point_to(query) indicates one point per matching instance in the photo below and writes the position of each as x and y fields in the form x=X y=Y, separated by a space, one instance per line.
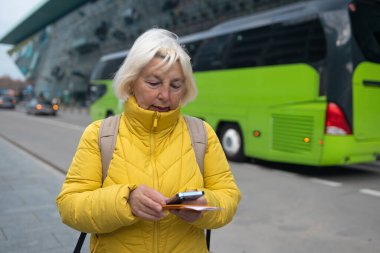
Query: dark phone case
x=177 y=199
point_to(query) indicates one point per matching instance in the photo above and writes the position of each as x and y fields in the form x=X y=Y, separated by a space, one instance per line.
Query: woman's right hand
x=147 y=203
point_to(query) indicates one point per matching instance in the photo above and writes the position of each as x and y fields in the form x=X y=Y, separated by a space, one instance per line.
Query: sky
x=11 y=13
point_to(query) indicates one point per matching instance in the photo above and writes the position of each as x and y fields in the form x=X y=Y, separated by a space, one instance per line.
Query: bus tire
x=232 y=142
x=109 y=113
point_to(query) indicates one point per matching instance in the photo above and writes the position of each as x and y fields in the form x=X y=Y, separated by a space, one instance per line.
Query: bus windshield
x=105 y=70
x=104 y=101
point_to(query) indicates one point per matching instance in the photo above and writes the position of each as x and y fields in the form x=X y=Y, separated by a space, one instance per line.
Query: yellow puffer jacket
x=153 y=149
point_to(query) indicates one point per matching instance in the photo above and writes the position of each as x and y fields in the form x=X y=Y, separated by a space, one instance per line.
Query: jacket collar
x=147 y=119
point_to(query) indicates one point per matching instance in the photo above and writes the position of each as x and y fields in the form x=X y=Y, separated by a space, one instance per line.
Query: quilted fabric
x=154 y=149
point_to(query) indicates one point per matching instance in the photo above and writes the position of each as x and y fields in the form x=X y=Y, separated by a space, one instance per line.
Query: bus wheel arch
x=231 y=138
x=109 y=113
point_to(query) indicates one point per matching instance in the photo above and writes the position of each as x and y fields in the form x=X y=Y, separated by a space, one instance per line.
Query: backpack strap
x=107 y=141
x=198 y=136
x=108 y=135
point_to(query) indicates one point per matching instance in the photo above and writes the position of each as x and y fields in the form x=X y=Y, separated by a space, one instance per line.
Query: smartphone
x=182 y=196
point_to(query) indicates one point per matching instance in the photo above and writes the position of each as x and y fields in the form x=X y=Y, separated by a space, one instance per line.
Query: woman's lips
x=160 y=109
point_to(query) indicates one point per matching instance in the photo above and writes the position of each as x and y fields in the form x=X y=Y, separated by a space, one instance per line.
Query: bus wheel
x=232 y=142
x=109 y=113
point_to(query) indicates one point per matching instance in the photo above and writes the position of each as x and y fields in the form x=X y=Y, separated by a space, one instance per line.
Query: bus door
x=365 y=21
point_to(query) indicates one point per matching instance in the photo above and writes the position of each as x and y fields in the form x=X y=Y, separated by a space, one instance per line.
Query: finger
x=145 y=212
x=153 y=194
x=151 y=204
x=149 y=197
x=156 y=196
x=199 y=201
x=142 y=206
x=187 y=215
x=149 y=217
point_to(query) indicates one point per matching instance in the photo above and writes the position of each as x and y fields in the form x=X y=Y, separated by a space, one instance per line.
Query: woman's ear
x=131 y=89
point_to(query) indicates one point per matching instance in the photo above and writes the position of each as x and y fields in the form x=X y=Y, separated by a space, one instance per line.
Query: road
x=285 y=208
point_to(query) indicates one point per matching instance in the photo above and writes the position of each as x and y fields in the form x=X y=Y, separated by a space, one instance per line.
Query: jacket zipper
x=155 y=178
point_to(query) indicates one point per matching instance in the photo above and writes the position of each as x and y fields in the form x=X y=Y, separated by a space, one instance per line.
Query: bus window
x=97 y=91
x=365 y=21
x=192 y=48
x=278 y=44
x=210 y=55
x=105 y=70
x=295 y=43
x=248 y=46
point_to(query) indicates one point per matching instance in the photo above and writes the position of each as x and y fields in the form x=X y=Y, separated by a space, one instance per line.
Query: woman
x=152 y=161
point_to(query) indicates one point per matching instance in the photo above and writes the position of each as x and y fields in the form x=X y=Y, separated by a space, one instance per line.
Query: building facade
x=59 y=57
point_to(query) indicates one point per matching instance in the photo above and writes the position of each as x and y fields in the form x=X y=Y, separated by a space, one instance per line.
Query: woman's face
x=159 y=90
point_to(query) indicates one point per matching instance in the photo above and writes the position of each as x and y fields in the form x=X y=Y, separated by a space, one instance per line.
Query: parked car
x=41 y=107
x=7 y=102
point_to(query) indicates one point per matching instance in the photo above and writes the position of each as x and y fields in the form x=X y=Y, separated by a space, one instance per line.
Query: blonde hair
x=154 y=43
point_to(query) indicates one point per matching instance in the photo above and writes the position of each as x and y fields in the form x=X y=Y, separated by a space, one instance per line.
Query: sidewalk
x=29 y=219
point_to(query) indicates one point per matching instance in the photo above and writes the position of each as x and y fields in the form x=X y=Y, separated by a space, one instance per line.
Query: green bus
x=297 y=84
x=104 y=103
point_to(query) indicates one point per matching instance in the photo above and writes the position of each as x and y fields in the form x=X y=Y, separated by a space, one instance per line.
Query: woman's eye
x=176 y=86
x=153 y=83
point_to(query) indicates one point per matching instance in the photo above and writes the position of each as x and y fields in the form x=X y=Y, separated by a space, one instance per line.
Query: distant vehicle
x=7 y=102
x=104 y=102
x=41 y=107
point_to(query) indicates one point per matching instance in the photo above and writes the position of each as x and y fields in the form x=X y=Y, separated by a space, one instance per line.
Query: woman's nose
x=164 y=93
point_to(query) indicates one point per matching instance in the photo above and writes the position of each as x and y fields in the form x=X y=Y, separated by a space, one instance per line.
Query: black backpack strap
x=80 y=242
x=208 y=238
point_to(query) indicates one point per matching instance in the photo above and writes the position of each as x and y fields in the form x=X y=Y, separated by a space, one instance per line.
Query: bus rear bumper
x=347 y=150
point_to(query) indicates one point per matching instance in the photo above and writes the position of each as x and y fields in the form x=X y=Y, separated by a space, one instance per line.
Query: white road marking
x=43 y=164
x=60 y=124
x=326 y=182
x=52 y=122
x=370 y=192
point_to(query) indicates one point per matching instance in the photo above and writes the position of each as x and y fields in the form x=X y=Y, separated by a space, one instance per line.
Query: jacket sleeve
x=220 y=187
x=82 y=203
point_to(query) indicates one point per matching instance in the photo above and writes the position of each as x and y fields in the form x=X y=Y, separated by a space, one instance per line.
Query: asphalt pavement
x=29 y=220
x=279 y=212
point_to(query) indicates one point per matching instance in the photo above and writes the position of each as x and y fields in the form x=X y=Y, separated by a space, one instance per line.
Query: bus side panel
x=255 y=97
x=366 y=99
x=294 y=134
x=108 y=102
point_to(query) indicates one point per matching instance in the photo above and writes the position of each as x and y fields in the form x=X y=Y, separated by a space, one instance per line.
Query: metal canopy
x=45 y=14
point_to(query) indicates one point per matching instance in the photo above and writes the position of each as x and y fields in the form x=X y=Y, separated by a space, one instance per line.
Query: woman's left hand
x=190 y=215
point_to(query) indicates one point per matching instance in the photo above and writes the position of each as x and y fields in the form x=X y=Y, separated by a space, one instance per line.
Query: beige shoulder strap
x=107 y=141
x=198 y=136
x=108 y=135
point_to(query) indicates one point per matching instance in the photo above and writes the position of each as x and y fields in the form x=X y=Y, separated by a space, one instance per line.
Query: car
x=41 y=107
x=7 y=102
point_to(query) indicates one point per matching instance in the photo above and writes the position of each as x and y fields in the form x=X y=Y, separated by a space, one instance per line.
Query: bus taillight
x=336 y=123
